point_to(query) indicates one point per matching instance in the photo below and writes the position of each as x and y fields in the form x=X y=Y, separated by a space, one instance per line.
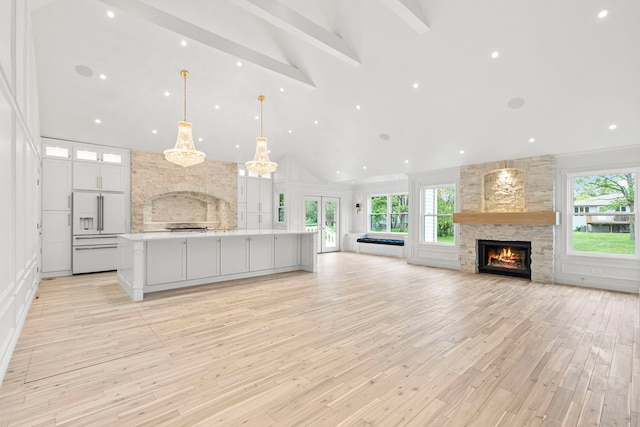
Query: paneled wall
x=20 y=161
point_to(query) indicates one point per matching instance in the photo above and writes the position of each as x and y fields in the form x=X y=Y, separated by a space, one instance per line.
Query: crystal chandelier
x=184 y=153
x=261 y=163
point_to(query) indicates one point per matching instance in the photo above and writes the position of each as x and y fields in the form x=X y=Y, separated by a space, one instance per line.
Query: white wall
x=599 y=272
x=20 y=161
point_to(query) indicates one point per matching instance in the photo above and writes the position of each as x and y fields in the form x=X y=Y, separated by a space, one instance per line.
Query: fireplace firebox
x=505 y=258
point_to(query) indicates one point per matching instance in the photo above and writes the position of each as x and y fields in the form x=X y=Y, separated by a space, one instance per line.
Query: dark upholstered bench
x=394 y=242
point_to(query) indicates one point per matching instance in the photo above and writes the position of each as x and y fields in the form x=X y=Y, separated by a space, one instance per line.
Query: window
x=438 y=208
x=280 y=207
x=389 y=213
x=52 y=151
x=603 y=220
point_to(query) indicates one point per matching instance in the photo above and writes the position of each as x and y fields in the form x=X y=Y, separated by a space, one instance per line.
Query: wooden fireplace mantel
x=522 y=218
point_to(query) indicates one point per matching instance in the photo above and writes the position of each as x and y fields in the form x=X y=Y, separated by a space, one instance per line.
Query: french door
x=321 y=215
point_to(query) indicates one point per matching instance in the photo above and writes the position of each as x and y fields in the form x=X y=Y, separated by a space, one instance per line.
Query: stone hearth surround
x=205 y=194
x=520 y=185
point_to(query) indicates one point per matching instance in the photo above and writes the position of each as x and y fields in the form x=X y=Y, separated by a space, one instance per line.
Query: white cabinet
x=242 y=189
x=56 y=211
x=202 y=257
x=286 y=250
x=259 y=203
x=260 y=252
x=96 y=176
x=242 y=215
x=234 y=255
x=56 y=185
x=56 y=241
x=166 y=261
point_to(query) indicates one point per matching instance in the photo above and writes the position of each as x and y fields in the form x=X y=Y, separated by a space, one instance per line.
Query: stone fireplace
x=513 y=189
x=164 y=195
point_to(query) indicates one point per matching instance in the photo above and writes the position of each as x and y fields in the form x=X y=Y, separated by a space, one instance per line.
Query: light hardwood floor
x=365 y=341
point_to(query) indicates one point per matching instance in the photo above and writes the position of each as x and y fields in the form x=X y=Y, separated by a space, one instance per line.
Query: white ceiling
x=576 y=73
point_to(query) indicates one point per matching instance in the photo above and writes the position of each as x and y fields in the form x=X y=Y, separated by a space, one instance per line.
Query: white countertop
x=209 y=233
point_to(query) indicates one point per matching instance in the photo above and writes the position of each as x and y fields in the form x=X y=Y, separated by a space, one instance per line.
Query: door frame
x=322 y=230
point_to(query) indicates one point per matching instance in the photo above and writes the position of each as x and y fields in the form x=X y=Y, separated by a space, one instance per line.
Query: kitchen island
x=151 y=262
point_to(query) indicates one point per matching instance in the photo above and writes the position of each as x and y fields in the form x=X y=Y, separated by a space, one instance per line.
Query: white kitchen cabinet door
x=242 y=189
x=56 y=241
x=253 y=194
x=266 y=198
x=166 y=261
x=112 y=178
x=86 y=176
x=56 y=184
x=234 y=254
x=253 y=220
x=285 y=250
x=202 y=257
x=96 y=176
x=260 y=252
x=242 y=215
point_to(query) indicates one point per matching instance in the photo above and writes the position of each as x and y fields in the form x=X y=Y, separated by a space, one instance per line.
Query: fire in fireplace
x=505 y=258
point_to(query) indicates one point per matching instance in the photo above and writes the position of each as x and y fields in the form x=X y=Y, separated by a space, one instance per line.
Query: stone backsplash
x=163 y=193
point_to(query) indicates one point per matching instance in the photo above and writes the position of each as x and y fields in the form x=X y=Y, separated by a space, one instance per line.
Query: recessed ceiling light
x=290 y=131
x=167 y=94
x=110 y=14
x=239 y=64
x=315 y=122
x=98 y=121
x=200 y=139
x=257 y=117
x=364 y=167
x=495 y=54
x=613 y=126
x=338 y=172
x=183 y=42
x=357 y=107
x=461 y=151
x=237 y=145
x=154 y=131
x=269 y=151
x=281 y=89
x=217 y=107
x=103 y=77
x=532 y=140
x=603 y=13
x=406 y=161
x=416 y=85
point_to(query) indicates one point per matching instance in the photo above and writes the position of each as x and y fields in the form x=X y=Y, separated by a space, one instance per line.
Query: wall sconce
x=358 y=209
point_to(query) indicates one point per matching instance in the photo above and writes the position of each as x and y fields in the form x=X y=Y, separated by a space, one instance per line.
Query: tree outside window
x=280 y=207
x=389 y=213
x=604 y=219
x=438 y=209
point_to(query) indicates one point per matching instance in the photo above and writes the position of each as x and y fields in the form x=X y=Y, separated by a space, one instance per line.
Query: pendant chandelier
x=261 y=163
x=184 y=153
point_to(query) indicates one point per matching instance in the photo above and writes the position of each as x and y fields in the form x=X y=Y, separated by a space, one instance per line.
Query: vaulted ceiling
x=354 y=88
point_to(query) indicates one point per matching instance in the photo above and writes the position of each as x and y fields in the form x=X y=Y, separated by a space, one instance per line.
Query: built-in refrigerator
x=97 y=220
